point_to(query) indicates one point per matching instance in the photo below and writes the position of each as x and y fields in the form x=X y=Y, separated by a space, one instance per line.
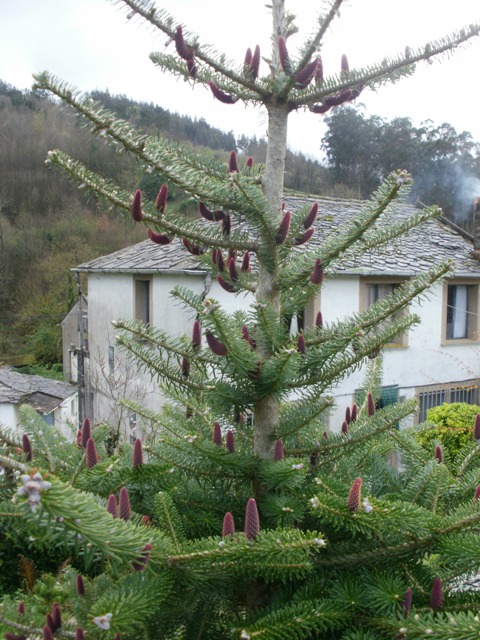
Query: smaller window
x=461 y=312
x=143 y=301
x=372 y=291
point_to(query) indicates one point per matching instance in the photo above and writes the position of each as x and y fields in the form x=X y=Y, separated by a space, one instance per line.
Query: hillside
x=47 y=225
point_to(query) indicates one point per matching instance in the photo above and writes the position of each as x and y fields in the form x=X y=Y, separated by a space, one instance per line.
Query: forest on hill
x=47 y=225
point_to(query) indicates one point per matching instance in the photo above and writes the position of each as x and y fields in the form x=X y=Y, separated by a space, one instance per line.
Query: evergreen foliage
x=241 y=518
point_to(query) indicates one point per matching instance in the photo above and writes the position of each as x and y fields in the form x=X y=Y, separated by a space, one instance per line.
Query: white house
x=54 y=400
x=435 y=362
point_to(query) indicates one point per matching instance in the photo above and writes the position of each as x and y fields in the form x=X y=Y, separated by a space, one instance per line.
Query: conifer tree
x=243 y=519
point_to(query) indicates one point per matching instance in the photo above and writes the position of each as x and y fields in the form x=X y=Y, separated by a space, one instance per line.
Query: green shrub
x=453 y=426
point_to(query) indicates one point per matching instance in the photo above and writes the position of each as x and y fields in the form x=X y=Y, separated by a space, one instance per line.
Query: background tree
x=335 y=542
x=444 y=165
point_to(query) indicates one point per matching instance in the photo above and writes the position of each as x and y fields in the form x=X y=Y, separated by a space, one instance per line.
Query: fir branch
x=390 y=70
x=61 y=633
x=162 y=21
x=337 y=243
x=295 y=621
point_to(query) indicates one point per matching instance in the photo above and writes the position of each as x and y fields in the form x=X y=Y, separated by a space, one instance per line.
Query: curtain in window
x=460 y=311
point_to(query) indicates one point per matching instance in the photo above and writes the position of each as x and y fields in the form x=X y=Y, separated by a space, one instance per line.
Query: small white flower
x=297 y=467
x=171 y=470
x=319 y=542
x=366 y=506
x=314 y=502
x=287 y=509
x=103 y=622
x=245 y=635
x=221 y=544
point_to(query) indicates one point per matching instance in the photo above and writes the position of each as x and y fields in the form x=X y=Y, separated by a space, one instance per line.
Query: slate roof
x=43 y=394
x=412 y=254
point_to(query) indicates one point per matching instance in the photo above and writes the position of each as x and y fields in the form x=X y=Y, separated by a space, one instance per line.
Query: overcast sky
x=92 y=45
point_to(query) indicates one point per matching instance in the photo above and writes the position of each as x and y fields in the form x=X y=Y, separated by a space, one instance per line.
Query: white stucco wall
x=8 y=415
x=424 y=361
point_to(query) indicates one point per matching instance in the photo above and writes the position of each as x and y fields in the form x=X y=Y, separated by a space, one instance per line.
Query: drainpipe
x=80 y=356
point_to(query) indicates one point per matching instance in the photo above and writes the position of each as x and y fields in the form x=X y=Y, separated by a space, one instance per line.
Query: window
x=434 y=395
x=372 y=291
x=143 y=300
x=461 y=314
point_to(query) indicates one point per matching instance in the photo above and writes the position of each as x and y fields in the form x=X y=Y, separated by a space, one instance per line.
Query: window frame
x=365 y=281
x=447 y=392
x=142 y=304
x=473 y=327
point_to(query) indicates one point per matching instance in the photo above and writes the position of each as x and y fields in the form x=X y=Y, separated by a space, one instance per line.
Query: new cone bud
x=252 y=520
x=438 y=453
x=226 y=226
x=370 y=404
x=306 y=75
x=140 y=563
x=185 y=367
x=161 y=201
x=278 y=451
x=355 y=495
x=86 y=432
x=136 y=208
x=230 y=441
x=228 y=286
x=47 y=633
x=436 y=595
x=228 y=528
x=345 y=428
x=232 y=270
x=301 y=344
x=158 y=238
x=245 y=268
x=407 y=602
x=80 y=585
x=220 y=95
x=254 y=65
x=476 y=495
x=27 y=447
x=137 y=453
x=348 y=415
x=283 y=229
x=344 y=66
x=21 y=608
x=317 y=273
x=305 y=237
x=183 y=50
x=124 y=509
x=56 y=616
x=232 y=163
x=217 y=434
x=91 y=457
x=112 y=505
x=319 y=320
x=311 y=216
x=196 y=335
x=79 y=635
x=354 y=411
x=217 y=347
x=284 y=57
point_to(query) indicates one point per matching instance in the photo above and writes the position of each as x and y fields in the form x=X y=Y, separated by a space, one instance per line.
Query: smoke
x=465 y=190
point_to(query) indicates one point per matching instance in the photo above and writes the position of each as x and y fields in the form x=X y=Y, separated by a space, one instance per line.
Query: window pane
x=457 y=311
